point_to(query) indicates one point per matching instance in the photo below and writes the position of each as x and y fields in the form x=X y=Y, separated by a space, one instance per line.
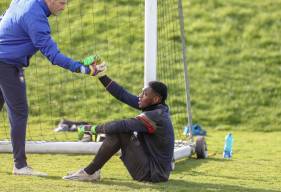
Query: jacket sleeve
x=122 y=126
x=119 y=92
x=38 y=29
x=145 y=122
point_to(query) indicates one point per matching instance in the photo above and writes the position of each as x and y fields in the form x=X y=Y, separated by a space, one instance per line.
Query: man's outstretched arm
x=121 y=126
x=119 y=92
x=145 y=122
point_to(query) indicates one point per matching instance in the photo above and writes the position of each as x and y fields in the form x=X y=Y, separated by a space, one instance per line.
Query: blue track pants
x=13 y=93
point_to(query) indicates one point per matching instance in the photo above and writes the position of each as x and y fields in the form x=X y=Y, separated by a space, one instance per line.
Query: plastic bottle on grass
x=227 y=152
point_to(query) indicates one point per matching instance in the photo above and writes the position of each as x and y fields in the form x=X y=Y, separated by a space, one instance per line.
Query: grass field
x=255 y=167
x=234 y=66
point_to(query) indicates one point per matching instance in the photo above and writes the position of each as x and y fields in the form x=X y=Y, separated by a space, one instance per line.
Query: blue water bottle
x=227 y=152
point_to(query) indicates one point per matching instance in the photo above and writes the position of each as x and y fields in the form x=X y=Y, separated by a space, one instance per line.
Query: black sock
x=110 y=146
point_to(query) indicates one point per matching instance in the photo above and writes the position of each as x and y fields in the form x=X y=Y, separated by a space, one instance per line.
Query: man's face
x=56 y=6
x=148 y=97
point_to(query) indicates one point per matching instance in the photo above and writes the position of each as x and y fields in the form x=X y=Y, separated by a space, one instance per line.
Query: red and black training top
x=153 y=125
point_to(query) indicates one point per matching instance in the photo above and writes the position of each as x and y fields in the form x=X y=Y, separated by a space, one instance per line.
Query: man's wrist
x=84 y=70
x=105 y=80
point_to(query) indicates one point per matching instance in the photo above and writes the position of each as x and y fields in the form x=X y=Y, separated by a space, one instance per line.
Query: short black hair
x=160 y=88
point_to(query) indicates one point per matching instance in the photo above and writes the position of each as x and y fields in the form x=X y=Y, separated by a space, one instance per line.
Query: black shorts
x=135 y=159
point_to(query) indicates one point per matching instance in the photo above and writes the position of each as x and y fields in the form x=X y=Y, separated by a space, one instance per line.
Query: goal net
x=116 y=31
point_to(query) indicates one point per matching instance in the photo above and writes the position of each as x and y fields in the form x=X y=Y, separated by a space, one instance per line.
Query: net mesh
x=115 y=30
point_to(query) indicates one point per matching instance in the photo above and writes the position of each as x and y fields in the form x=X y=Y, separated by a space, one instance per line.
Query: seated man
x=146 y=141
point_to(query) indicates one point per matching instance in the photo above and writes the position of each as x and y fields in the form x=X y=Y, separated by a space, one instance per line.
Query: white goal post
x=150 y=39
x=42 y=147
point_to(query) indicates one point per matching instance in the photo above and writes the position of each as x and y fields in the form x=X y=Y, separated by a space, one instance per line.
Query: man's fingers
x=101 y=67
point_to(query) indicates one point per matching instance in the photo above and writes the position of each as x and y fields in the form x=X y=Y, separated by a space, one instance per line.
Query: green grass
x=255 y=167
x=235 y=63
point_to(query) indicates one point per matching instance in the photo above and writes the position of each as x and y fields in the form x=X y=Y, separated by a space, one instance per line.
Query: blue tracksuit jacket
x=24 y=30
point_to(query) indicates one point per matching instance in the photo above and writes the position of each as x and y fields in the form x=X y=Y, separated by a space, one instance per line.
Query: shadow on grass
x=179 y=185
x=185 y=165
x=182 y=166
x=48 y=177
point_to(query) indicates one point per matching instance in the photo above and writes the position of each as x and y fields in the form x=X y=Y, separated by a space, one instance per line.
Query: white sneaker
x=81 y=175
x=28 y=171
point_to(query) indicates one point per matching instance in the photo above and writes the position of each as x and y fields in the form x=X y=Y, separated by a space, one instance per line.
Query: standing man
x=24 y=29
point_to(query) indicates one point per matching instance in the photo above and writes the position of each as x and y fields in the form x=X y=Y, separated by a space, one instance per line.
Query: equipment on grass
x=200 y=146
x=195 y=129
x=227 y=152
x=187 y=148
x=201 y=150
x=68 y=125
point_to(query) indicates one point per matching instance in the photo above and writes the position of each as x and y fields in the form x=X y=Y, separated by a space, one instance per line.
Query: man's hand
x=94 y=70
x=82 y=129
x=93 y=65
x=97 y=69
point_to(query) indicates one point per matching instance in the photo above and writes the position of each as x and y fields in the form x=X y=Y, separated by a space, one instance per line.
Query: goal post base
x=43 y=147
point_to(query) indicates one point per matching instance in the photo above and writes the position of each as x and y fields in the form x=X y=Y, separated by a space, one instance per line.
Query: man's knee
x=19 y=110
x=119 y=139
x=112 y=139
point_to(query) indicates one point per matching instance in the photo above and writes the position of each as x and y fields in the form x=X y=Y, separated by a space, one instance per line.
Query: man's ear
x=156 y=99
